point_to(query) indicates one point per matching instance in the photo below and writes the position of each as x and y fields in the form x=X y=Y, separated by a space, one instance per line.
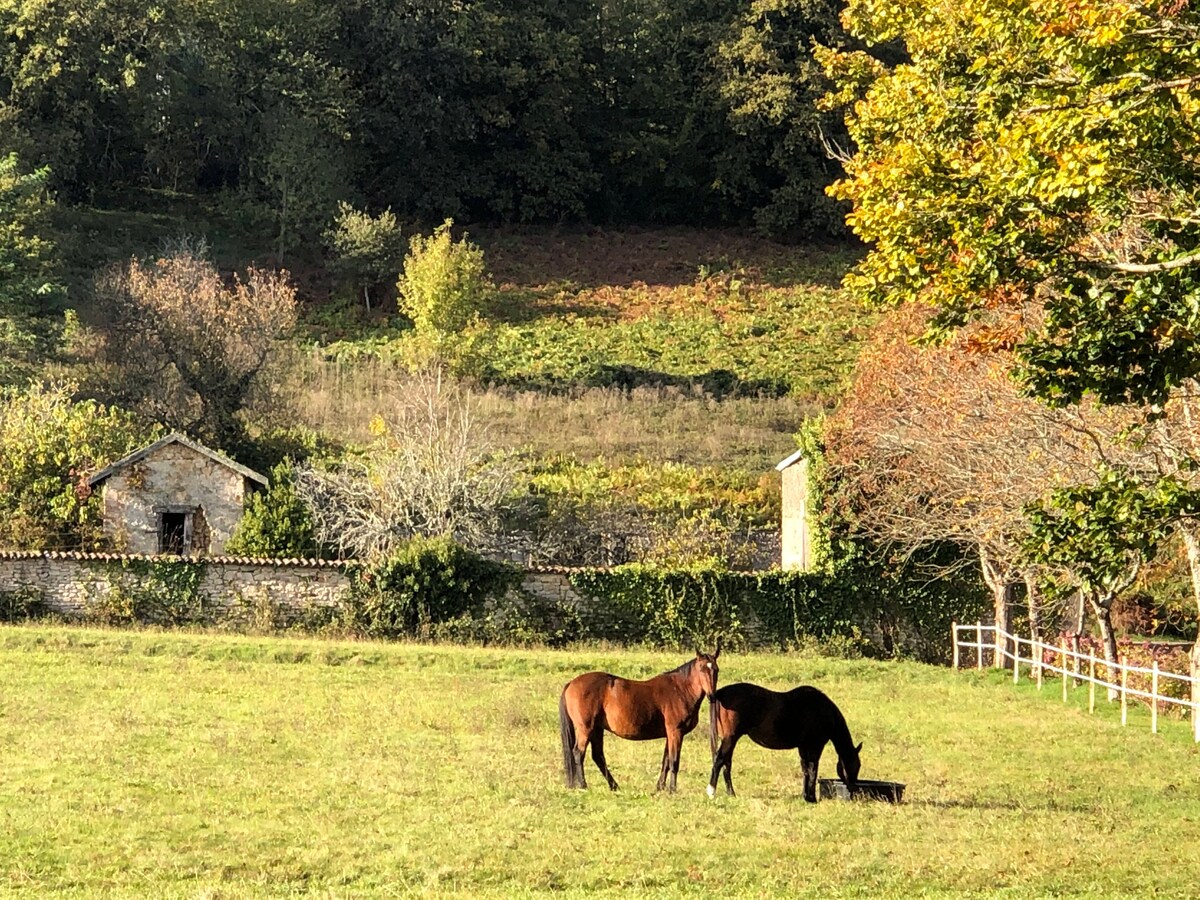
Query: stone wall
x=71 y=584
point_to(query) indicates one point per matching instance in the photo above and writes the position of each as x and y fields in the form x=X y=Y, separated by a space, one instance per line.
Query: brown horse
x=802 y=718
x=666 y=706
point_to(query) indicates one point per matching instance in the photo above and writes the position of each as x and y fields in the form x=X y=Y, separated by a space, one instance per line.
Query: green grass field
x=179 y=765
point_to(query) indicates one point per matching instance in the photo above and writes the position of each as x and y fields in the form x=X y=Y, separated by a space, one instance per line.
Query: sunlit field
x=183 y=765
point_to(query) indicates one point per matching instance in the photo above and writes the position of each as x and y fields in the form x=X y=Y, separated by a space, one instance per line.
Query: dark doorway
x=172 y=534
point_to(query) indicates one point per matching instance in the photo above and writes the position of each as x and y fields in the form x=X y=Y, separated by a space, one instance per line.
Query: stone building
x=174 y=496
x=795 y=550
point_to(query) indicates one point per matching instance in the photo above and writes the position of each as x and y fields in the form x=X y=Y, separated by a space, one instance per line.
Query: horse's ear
x=717 y=651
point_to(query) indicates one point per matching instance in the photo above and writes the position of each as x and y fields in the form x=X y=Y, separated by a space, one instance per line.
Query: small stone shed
x=795 y=549
x=174 y=496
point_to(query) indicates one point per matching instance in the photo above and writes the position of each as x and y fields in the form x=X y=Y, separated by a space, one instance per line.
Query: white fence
x=1072 y=668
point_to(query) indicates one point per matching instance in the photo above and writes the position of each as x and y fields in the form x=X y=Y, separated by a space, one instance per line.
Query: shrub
x=856 y=610
x=277 y=522
x=367 y=249
x=155 y=592
x=49 y=446
x=427 y=582
x=21 y=604
x=444 y=284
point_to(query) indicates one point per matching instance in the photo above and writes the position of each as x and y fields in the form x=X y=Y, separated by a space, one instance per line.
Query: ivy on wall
x=886 y=613
x=154 y=591
x=428 y=582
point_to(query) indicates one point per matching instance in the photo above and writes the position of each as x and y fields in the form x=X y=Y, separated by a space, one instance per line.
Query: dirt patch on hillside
x=588 y=258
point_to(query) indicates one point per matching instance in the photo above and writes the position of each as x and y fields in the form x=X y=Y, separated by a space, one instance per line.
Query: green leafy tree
x=277 y=522
x=367 y=249
x=1035 y=153
x=26 y=254
x=27 y=265
x=50 y=445
x=1037 y=161
x=445 y=282
x=1101 y=534
x=771 y=82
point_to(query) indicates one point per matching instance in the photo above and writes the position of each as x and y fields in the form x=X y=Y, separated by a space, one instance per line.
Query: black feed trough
x=836 y=789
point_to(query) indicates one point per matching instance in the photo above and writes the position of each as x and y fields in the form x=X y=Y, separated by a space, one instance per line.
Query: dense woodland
x=494 y=110
x=480 y=205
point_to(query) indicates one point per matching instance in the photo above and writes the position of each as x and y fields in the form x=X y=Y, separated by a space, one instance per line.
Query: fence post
x=954 y=641
x=1016 y=642
x=1124 y=692
x=1195 y=717
x=1195 y=694
x=1062 y=658
x=978 y=645
x=1037 y=654
x=1092 y=681
x=1154 y=698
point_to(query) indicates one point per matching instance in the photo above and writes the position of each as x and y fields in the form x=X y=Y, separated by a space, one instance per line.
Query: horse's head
x=705 y=669
x=848 y=766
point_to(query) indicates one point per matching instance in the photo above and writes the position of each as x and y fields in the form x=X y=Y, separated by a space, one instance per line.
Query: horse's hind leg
x=674 y=746
x=598 y=758
x=580 y=751
x=723 y=760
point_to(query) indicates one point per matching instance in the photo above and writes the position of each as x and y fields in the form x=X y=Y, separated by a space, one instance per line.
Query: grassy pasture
x=176 y=765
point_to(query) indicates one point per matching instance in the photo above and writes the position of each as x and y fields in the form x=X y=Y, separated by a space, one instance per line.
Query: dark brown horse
x=802 y=718
x=666 y=706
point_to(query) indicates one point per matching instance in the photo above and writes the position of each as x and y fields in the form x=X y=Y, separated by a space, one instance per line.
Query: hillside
x=703 y=347
x=699 y=347
x=662 y=370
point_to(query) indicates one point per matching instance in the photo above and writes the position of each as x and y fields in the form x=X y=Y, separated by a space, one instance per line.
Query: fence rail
x=1074 y=667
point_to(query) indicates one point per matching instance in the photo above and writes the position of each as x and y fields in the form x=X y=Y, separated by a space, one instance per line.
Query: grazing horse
x=666 y=706
x=802 y=718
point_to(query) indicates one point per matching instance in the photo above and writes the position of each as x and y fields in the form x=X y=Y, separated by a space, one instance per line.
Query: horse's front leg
x=809 y=766
x=662 y=770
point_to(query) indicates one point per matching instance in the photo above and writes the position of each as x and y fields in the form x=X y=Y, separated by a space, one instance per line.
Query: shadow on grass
x=524 y=306
x=1016 y=806
x=662 y=256
x=717 y=384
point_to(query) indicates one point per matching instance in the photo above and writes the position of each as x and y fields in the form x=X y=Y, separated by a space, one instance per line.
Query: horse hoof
x=712 y=791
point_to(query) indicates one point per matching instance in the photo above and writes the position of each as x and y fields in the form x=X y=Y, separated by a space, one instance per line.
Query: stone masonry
x=69 y=583
x=174 y=476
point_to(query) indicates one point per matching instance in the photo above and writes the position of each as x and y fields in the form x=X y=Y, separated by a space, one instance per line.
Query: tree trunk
x=1034 y=603
x=1191 y=539
x=1102 y=607
x=996 y=577
x=1080 y=619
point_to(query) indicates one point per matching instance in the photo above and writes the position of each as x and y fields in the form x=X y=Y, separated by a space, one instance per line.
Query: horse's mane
x=685 y=669
x=843 y=743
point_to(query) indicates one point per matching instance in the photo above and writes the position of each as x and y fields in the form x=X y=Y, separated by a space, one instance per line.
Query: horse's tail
x=714 y=714
x=567 y=728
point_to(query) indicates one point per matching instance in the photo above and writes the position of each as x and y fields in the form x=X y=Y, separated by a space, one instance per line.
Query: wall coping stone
x=81 y=556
